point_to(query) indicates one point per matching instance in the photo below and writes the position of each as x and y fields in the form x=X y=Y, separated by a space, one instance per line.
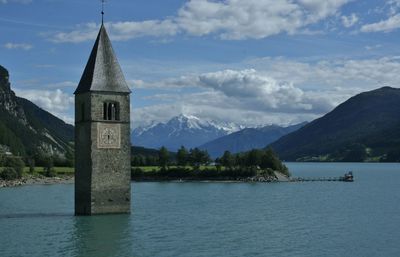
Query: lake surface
x=216 y=219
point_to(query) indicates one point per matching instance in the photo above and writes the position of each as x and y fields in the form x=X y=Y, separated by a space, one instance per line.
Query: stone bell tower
x=102 y=134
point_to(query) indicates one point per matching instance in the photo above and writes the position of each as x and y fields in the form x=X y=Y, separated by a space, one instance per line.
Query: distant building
x=102 y=129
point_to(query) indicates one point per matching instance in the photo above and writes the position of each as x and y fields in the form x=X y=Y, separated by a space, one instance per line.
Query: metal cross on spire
x=102 y=10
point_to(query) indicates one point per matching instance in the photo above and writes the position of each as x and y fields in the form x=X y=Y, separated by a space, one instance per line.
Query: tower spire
x=102 y=72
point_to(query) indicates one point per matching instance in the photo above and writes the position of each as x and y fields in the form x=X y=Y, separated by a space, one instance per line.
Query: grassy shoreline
x=151 y=174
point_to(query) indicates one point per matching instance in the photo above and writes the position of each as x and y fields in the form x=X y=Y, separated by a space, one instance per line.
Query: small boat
x=348 y=177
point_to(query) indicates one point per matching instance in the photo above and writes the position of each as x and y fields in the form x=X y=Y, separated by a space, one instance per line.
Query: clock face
x=109 y=135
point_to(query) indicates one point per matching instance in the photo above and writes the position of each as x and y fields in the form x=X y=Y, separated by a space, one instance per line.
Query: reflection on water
x=110 y=233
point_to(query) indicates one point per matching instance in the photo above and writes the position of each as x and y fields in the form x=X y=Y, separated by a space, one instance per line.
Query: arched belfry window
x=111 y=111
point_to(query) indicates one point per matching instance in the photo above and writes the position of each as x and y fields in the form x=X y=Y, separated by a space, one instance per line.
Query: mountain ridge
x=248 y=139
x=368 y=123
x=186 y=130
x=26 y=129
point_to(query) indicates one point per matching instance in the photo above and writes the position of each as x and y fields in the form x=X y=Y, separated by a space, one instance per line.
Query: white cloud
x=22 y=46
x=163 y=112
x=392 y=22
x=128 y=30
x=322 y=75
x=278 y=90
x=82 y=33
x=50 y=100
x=349 y=21
x=388 y=25
x=241 y=96
x=119 y=31
x=393 y=5
x=253 y=90
x=364 y=73
x=230 y=19
x=63 y=84
x=372 y=47
x=15 y=1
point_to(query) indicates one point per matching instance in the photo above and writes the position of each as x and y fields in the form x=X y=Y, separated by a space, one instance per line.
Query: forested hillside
x=27 y=130
x=364 y=128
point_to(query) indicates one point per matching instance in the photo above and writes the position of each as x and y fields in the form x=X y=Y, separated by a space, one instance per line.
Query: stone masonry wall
x=109 y=169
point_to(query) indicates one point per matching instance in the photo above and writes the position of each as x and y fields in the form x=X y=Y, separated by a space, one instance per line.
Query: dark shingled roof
x=102 y=72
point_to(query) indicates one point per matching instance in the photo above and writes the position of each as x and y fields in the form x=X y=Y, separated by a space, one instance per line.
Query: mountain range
x=26 y=129
x=248 y=139
x=365 y=127
x=185 y=130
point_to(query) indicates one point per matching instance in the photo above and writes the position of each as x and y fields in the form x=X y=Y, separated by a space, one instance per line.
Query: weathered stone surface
x=102 y=169
x=102 y=183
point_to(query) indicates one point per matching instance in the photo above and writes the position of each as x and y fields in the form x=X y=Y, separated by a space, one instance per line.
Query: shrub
x=9 y=173
x=178 y=172
x=49 y=172
x=136 y=172
x=31 y=164
x=48 y=169
x=16 y=163
x=208 y=173
x=2 y=159
x=266 y=172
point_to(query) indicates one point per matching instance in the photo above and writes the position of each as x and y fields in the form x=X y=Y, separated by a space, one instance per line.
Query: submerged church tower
x=102 y=134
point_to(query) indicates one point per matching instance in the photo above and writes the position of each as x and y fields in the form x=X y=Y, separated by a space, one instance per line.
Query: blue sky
x=248 y=62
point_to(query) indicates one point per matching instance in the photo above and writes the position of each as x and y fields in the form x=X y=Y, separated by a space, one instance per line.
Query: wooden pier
x=348 y=177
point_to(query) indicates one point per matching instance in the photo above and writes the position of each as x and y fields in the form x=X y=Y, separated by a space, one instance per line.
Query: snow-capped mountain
x=247 y=139
x=185 y=130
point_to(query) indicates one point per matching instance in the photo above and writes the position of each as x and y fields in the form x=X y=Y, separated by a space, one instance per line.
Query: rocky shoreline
x=37 y=180
x=42 y=180
x=263 y=179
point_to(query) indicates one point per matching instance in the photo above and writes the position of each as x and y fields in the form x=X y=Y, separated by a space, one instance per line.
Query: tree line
x=228 y=163
x=164 y=158
x=12 y=167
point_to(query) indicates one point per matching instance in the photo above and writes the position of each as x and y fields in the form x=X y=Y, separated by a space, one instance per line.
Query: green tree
x=138 y=160
x=48 y=168
x=355 y=153
x=2 y=159
x=198 y=157
x=227 y=159
x=194 y=157
x=253 y=158
x=239 y=160
x=9 y=173
x=16 y=163
x=163 y=156
x=31 y=163
x=8 y=138
x=182 y=156
x=40 y=158
x=270 y=160
x=205 y=157
x=151 y=161
x=70 y=158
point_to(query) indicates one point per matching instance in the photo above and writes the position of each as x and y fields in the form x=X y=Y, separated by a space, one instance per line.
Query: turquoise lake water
x=216 y=219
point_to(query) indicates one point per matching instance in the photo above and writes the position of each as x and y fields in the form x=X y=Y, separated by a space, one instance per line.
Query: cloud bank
x=228 y=20
x=278 y=91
